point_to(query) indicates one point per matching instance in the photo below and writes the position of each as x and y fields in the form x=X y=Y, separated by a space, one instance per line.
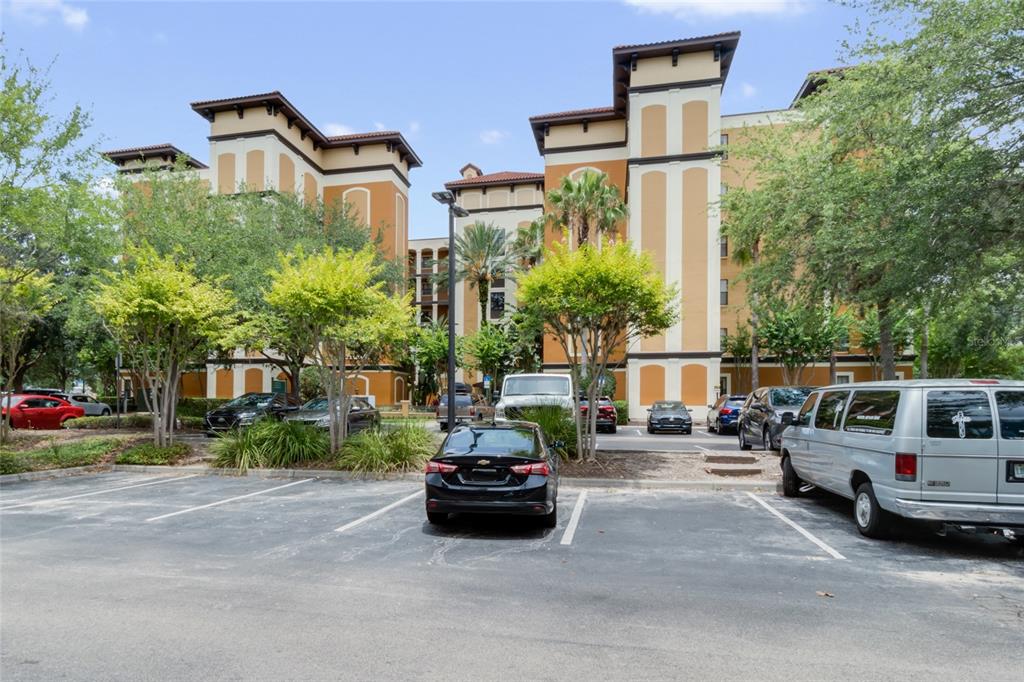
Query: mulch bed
x=677 y=466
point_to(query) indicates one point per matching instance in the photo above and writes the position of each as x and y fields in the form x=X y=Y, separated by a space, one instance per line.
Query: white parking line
x=230 y=499
x=574 y=520
x=703 y=449
x=831 y=552
x=98 y=492
x=379 y=512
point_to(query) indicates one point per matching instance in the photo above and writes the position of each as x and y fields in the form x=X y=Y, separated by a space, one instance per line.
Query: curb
x=269 y=473
x=54 y=473
x=655 y=484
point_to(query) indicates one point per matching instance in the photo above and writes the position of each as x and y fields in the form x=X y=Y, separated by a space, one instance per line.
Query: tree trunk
x=832 y=365
x=924 y=346
x=885 y=343
x=483 y=288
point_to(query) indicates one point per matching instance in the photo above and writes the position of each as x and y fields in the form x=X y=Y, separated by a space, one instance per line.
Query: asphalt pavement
x=123 y=576
x=632 y=437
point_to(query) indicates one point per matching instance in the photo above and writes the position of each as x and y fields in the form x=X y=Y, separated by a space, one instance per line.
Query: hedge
x=129 y=421
x=622 y=409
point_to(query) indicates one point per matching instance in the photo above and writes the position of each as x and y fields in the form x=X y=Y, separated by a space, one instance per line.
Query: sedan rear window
x=1011 y=414
x=959 y=414
x=492 y=441
x=872 y=412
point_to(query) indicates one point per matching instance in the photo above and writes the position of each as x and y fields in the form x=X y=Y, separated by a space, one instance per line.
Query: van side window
x=830 y=411
x=959 y=414
x=1011 y=414
x=872 y=412
x=804 y=417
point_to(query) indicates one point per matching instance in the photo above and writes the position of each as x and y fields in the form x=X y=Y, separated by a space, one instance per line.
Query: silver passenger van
x=945 y=450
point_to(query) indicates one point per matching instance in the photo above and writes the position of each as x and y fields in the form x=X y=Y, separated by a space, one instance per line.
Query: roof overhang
x=275 y=103
x=542 y=123
x=165 y=153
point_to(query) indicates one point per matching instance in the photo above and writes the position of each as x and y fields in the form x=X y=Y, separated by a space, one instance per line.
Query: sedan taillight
x=537 y=469
x=725 y=410
x=439 y=468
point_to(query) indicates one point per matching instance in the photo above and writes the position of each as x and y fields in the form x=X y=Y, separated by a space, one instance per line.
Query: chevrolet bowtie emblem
x=483 y=462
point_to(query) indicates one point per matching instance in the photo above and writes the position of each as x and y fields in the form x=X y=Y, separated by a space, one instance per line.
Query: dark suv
x=760 y=421
x=246 y=409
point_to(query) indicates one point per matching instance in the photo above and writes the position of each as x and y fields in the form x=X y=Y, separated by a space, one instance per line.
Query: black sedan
x=247 y=409
x=494 y=468
x=669 y=415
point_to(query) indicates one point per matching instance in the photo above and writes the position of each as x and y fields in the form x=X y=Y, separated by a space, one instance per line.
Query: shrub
x=622 y=410
x=270 y=444
x=557 y=425
x=198 y=407
x=58 y=455
x=129 y=421
x=404 y=448
x=147 y=453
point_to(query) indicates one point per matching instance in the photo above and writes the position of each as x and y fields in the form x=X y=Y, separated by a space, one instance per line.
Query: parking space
x=303 y=578
x=636 y=438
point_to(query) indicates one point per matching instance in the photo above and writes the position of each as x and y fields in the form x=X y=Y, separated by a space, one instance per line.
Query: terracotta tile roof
x=502 y=178
x=353 y=137
x=694 y=39
x=264 y=95
x=576 y=113
x=150 y=151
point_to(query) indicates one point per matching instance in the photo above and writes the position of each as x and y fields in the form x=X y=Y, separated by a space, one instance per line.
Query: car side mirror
x=558 y=444
x=788 y=418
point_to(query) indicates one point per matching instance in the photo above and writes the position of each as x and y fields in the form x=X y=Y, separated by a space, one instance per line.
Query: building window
x=723 y=292
x=843 y=341
x=724 y=141
x=844 y=377
x=723 y=247
x=723 y=384
x=723 y=189
x=723 y=334
x=425 y=286
x=497 y=305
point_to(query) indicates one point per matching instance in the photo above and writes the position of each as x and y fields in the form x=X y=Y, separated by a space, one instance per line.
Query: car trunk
x=487 y=470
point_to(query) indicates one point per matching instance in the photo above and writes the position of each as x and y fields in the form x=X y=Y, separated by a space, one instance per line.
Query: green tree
x=596 y=300
x=336 y=298
x=738 y=347
x=429 y=348
x=798 y=334
x=491 y=351
x=868 y=328
x=589 y=201
x=482 y=255
x=528 y=245
x=163 y=316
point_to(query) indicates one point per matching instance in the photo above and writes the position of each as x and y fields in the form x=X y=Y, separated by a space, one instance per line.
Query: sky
x=459 y=80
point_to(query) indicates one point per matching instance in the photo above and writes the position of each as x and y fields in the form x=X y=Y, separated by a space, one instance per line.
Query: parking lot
x=128 y=576
x=632 y=437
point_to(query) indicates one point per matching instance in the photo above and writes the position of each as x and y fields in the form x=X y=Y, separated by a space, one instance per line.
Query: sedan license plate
x=1018 y=471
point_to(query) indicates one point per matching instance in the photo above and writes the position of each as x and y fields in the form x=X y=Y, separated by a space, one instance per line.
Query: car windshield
x=8 y=401
x=790 y=396
x=316 y=404
x=669 y=405
x=552 y=385
x=520 y=442
x=251 y=400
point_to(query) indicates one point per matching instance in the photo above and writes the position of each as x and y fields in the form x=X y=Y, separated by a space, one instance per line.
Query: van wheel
x=744 y=445
x=790 y=481
x=437 y=518
x=872 y=521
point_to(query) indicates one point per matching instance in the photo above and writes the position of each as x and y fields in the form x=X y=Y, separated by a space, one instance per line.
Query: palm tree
x=528 y=246
x=482 y=255
x=588 y=201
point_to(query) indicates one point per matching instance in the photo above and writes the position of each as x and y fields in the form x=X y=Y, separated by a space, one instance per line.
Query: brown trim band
x=287 y=143
x=678 y=355
x=227 y=362
x=697 y=156
x=840 y=359
x=584 y=148
x=472 y=211
x=679 y=85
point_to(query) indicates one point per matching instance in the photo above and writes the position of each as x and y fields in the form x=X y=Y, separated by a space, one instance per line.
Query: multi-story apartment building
x=658 y=143
x=264 y=143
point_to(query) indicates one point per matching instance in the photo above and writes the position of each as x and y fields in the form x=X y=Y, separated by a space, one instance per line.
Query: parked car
x=361 y=415
x=494 y=468
x=945 y=450
x=669 y=415
x=92 y=407
x=724 y=412
x=467 y=405
x=38 y=411
x=607 y=415
x=760 y=418
x=247 y=409
x=520 y=391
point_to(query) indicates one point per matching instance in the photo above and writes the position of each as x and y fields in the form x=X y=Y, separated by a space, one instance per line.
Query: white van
x=946 y=450
x=521 y=391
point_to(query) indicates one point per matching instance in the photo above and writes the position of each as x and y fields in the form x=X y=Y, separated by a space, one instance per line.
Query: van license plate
x=1018 y=471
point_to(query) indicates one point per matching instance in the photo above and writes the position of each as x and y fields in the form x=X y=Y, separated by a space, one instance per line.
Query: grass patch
x=557 y=425
x=150 y=454
x=78 y=453
x=270 y=444
x=402 y=448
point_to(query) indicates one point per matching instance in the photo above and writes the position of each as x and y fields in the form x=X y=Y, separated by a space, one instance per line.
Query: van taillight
x=906 y=466
x=539 y=469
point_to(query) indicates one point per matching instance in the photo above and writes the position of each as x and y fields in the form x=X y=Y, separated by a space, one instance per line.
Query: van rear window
x=1011 y=414
x=872 y=412
x=959 y=414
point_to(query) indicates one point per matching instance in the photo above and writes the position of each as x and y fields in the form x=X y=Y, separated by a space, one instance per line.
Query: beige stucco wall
x=652 y=234
x=653 y=130
x=286 y=173
x=695 y=127
x=255 y=170
x=694 y=285
x=226 y=174
x=598 y=132
x=659 y=70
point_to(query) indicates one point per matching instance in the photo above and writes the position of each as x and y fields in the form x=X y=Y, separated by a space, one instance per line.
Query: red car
x=607 y=415
x=38 y=411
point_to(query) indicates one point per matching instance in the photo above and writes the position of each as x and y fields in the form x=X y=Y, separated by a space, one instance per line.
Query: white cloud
x=414 y=127
x=333 y=129
x=39 y=12
x=747 y=89
x=686 y=9
x=492 y=136
x=379 y=126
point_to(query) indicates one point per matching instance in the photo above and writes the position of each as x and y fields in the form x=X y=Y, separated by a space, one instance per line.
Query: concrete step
x=726 y=470
x=730 y=459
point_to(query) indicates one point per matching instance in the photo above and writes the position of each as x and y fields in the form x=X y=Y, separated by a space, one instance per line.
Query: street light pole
x=448 y=198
